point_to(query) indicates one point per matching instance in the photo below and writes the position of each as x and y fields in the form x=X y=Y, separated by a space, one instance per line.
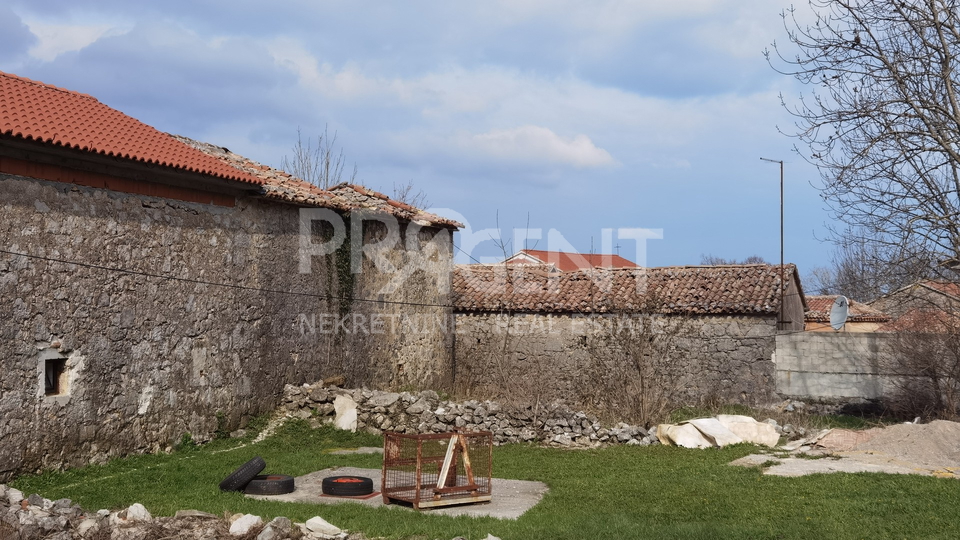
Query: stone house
x=529 y=333
x=153 y=286
x=862 y=318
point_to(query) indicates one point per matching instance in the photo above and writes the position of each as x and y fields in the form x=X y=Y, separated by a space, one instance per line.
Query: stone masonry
x=543 y=357
x=199 y=332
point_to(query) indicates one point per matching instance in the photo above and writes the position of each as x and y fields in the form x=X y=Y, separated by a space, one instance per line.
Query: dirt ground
x=927 y=449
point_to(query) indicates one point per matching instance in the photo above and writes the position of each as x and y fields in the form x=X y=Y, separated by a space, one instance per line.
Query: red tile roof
x=821 y=305
x=35 y=111
x=284 y=187
x=739 y=289
x=925 y=320
x=944 y=287
x=568 y=262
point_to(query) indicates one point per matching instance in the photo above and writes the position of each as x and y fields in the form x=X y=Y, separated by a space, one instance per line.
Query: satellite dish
x=839 y=313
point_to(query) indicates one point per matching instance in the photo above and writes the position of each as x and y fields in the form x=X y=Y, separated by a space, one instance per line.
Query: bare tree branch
x=882 y=119
x=321 y=165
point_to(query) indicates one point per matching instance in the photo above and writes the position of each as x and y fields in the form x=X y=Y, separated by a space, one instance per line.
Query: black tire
x=270 y=484
x=240 y=477
x=347 y=486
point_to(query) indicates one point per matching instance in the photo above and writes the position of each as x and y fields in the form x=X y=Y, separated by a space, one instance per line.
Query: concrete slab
x=511 y=498
x=847 y=462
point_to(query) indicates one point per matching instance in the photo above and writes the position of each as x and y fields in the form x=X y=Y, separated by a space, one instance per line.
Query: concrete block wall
x=820 y=365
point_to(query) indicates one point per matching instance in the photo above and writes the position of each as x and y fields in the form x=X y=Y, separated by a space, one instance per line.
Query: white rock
x=385 y=399
x=87 y=527
x=319 y=525
x=684 y=435
x=137 y=512
x=244 y=524
x=15 y=496
x=716 y=431
x=346 y=410
x=750 y=430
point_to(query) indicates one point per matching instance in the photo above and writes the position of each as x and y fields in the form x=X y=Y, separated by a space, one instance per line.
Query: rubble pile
x=37 y=518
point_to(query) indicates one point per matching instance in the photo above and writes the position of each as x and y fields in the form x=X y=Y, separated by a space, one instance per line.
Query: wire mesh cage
x=437 y=469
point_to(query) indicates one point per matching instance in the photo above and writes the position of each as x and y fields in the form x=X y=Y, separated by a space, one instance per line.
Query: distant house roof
x=568 y=262
x=284 y=187
x=34 y=111
x=931 y=320
x=821 y=305
x=739 y=289
x=944 y=287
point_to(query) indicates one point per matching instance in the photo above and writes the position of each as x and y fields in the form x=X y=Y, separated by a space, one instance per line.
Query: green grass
x=617 y=492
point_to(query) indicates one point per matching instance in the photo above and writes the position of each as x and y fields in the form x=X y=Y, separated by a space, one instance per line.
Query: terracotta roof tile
x=276 y=184
x=32 y=110
x=821 y=305
x=363 y=197
x=740 y=289
x=283 y=186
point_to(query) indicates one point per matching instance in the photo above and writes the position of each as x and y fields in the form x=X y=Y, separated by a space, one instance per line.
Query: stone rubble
x=37 y=518
x=425 y=412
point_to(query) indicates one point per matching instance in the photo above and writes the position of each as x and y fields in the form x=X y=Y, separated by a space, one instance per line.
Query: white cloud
x=348 y=83
x=539 y=144
x=56 y=39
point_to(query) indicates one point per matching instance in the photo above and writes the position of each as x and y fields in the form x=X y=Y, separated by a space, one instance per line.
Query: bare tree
x=321 y=165
x=860 y=268
x=713 y=260
x=882 y=118
x=409 y=194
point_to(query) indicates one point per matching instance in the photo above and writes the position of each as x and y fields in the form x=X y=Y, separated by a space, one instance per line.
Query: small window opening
x=55 y=376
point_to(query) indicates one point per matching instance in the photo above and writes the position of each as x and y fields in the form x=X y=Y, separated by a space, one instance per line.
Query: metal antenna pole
x=780 y=161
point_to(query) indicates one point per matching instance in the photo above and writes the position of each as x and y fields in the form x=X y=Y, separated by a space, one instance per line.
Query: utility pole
x=782 y=282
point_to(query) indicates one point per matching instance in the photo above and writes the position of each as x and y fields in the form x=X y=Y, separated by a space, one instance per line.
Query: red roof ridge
x=49 y=115
x=47 y=85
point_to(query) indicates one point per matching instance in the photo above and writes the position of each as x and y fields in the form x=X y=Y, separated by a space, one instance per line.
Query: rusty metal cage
x=437 y=469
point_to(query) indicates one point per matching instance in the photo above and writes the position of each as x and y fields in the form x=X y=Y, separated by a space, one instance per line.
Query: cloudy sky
x=577 y=117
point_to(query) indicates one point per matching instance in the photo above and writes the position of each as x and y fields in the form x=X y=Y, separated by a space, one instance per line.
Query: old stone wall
x=838 y=366
x=599 y=362
x=426 y=412
x=171 y=317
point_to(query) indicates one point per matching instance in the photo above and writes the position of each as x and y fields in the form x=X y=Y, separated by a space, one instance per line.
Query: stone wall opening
x=55 y=380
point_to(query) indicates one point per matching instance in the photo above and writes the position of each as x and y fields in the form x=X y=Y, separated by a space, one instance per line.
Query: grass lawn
x=610 y=493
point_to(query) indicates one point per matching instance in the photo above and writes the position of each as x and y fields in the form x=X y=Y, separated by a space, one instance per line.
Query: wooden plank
x=458 y=500
x=447 y=459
